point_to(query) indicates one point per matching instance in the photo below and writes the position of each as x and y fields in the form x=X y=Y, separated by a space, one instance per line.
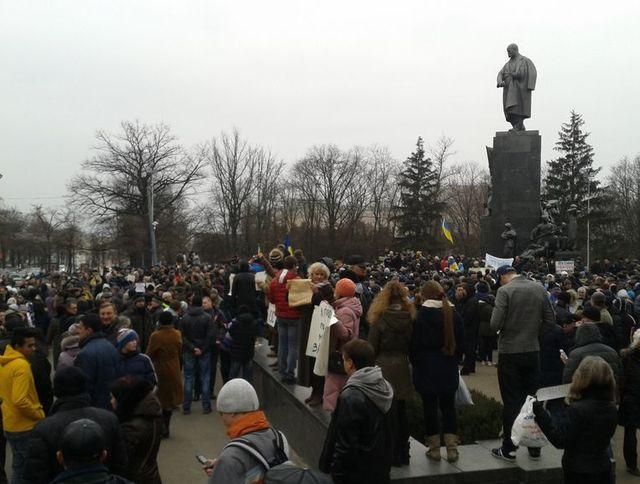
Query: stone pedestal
x=514 y=165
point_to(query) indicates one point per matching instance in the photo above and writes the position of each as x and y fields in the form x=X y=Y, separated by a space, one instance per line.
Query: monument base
x=514 y=165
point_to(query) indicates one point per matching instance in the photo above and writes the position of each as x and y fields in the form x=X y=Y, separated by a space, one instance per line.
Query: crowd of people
x=95 y=363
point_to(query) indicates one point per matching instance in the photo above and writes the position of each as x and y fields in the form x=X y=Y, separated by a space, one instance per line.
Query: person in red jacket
x=287 y=320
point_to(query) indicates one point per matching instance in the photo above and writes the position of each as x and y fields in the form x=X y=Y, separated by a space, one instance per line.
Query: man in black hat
x=357 y=271
x=72 y=403
x=522 y=313
x=82 y=451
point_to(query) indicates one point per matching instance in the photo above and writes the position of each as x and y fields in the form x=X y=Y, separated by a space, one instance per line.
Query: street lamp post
x=152 y=223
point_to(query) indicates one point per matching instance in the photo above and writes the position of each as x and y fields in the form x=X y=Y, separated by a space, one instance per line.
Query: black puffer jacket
x=198 y=330
x=358 y=444
x=585 y=435
x=243 y=334
x=42 y=465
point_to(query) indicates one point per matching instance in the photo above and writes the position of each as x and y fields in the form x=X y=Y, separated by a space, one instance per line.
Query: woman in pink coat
x=348 y=311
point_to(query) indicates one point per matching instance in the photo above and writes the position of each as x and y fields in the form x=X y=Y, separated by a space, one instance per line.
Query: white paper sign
x=321 y=318
x=565 y=266
x=271 y=315
x=140 y=287
x=495 y=262
x=553 y=393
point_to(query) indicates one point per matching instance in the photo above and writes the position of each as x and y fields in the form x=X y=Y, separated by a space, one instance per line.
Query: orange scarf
x=250 y=422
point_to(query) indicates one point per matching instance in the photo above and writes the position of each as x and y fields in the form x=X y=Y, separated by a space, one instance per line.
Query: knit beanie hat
x=345 y=288
x=124 y=336
x=275 y=255
x=237 y=396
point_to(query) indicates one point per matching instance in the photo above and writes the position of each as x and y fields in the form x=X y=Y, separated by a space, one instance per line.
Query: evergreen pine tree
x=571 y=178
x=419 y=210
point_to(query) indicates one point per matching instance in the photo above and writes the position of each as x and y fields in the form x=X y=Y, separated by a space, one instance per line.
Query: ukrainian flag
x=446 y=231
x=287 y=245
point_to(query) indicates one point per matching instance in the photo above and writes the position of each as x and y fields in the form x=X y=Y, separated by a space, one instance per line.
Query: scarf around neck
x=250 y=422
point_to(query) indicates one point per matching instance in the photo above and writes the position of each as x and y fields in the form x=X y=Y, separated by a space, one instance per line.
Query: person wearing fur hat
x=255 y=446
x=348 y=311
x=132 y=362
x=70 y=347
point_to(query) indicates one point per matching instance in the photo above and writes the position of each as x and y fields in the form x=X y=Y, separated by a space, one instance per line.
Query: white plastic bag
x=463 y=395
x=525 y=430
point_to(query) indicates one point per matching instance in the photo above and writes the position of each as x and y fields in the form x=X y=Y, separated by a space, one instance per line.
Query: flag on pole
x=446 y=231
x=287 y=245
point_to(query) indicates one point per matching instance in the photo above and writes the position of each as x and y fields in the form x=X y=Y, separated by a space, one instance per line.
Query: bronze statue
x=509 y=236
x=517 y=79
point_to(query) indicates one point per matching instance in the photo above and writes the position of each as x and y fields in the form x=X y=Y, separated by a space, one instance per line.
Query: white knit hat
x=237 y=396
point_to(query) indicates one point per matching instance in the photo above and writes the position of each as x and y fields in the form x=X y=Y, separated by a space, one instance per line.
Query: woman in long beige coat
x=165 y=348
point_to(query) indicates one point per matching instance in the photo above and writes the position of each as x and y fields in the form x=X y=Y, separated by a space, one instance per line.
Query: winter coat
x=433 y=371
x=585 y=434
x=485 y=310
x=589 y=343
x=243 y=292
x=142 y=432
x=111 y=332
x=42 y=465
x=21 y=409
x=279 y=295
x=243 y=331
x=41 y=369
x=629 y=412
x=142 y=323
x=100 y=361
x=198 y=330
x=70 y=348
x=390 y=337
x=348 y=311
x=138 y=364
x=165 y=348
x=357 y=448
x=551 y=366
x=563 y=315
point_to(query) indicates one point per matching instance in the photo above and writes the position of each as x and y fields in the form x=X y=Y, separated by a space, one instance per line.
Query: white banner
x=321 y=318
x=565 y=265
x=271 y=315
x=495 y=262
x=322 y=346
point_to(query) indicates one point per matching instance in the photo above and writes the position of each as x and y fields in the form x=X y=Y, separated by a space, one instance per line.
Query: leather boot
x=451 y=441
x=166 y=418
x=433 y=442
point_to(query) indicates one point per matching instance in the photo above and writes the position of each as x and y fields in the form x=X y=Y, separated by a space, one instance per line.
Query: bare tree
x=467 y=188
x=624 y=192
x=128 y=167
x=234 y=165
x=382 y=185
x=43 y=228
x=327 y=173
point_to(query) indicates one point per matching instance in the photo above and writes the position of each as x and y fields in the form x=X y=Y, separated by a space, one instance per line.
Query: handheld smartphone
x=202 y=459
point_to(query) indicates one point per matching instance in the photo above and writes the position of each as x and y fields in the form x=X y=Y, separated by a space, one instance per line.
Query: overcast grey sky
x=293 y=73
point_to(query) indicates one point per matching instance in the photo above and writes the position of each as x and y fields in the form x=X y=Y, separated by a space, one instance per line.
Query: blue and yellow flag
x=446 y=231
x=287 y=245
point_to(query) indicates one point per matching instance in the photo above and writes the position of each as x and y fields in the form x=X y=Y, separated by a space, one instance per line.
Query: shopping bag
x=525 y=430
x=463 y=395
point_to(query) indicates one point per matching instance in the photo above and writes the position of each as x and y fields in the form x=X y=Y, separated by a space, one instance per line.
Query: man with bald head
x=517 y=79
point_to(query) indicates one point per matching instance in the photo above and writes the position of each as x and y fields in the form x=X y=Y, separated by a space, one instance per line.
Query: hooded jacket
x=359 y=440
x=21 y=409
x=589 y=343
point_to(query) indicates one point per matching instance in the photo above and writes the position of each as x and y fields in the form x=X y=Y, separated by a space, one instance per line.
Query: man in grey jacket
x=254 y=448
x=521 y=315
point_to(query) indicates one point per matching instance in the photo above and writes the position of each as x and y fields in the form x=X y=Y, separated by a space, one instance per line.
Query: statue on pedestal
x=517 y=79
x=509 y=236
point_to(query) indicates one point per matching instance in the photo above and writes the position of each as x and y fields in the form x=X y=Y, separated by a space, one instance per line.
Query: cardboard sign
x=567 y=266
x=495 y=262
x=300 y=292
x=271 y=315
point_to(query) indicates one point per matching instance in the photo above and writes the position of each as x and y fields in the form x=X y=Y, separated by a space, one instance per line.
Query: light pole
x=152 y=223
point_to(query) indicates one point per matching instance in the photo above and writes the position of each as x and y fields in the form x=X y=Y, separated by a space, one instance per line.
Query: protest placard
x=271 y=315
x=260 y=278
x=495 y=262
x=321 y=318
x=300 y=292
x=140 y=287
x=567 y=266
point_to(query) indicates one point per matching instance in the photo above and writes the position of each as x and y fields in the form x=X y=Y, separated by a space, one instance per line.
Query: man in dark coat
x=98 y=359
x=359 y=440
x=243 y=289
x=589 y=343
x=198 y=334
x=73 y=403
